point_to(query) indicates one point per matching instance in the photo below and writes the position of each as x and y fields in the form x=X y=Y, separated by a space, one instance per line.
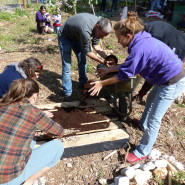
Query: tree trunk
x=24 y=3
x=37 y=2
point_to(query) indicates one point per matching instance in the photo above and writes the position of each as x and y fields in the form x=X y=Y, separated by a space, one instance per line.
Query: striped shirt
x=18 y=124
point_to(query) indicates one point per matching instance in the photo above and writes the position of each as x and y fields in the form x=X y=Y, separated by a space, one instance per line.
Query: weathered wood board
x=92 y=141
x=95 y=142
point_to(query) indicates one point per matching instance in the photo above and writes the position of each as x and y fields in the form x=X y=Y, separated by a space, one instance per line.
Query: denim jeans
x=46 y=155
x=66 y=47
x=158 y=102
x=155 y=3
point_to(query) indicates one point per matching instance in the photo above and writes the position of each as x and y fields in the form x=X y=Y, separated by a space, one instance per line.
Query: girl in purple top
x=43 y=21
x=155 y=62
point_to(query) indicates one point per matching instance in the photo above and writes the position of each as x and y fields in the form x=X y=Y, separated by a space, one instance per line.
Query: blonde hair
x=19 y=90
x=132 y=25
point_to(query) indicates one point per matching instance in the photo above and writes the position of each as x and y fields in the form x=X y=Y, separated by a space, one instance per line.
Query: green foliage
x=21 y=12
x=181 y=105
x=6 y=16
x=179 y=178
x=90 y=68
x=100 y=173
x=54 y=9
x=159 y=181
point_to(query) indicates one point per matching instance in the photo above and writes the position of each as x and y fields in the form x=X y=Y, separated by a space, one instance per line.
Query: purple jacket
x=150 y=58
x=39 y=18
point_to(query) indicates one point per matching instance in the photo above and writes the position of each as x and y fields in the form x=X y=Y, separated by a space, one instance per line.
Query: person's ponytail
x=132 y=25
x=19 y=90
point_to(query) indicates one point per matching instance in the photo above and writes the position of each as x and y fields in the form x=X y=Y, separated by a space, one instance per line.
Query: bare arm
x=94 y=57
x=100 y=51
x=103 y=71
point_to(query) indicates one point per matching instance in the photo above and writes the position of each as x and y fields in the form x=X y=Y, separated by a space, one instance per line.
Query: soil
x=88 y=169
x=74 y=117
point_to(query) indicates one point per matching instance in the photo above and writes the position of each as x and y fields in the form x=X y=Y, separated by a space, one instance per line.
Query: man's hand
x=95 y=90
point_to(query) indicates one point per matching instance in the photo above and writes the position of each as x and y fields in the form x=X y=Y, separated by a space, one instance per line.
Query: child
x=57 y=21
x=111 y=60
x=43 y=21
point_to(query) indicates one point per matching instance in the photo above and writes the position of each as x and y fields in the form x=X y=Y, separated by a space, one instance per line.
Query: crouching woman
x=19 y=119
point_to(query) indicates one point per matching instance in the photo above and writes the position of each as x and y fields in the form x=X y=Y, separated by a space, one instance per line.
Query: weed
x=6 y=16
x=52 y=49
x=99 y=173
x=179 y=178
x=109 y=46
x=90 y=69
x=159 y=181
x=21 y=12
x=121 y=57
x=181 y=105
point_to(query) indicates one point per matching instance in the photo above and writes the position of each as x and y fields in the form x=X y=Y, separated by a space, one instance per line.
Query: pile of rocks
x=159 y=166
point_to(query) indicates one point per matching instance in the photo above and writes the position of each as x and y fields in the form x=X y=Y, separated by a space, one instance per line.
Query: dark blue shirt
x=7 y=77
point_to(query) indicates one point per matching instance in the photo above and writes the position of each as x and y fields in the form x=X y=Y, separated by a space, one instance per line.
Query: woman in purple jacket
x=155 y=62
x=43 y=21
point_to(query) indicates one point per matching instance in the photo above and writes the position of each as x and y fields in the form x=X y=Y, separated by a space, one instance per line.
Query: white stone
x=149 y=166
x=171 y=158
x=69 y=165
x=178 y=165
x=155 y=154
x=102 y=181
x=161 y=163
x=129 y=172
x=165 y=156
x=136 y=166
x=123 y=181
x=116 y=179
x=141 y=177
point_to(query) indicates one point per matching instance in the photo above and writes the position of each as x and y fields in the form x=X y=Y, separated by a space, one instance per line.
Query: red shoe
x=132 y=158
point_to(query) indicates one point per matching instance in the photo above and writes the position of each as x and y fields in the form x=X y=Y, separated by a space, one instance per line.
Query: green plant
x=181 y=105
x=90 y=68
x=99 y=173
x=6 y=16
x=159 y=181
x=109 y=46
x=21 y=12
x=179 y=178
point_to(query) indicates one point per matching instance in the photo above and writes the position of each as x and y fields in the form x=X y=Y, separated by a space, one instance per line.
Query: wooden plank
x=93 y=138
x=90 y=103
x=113 y=125
x=102 y=121
x=101 y=109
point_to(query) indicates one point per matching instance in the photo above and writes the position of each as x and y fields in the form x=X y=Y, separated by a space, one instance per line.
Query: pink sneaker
x=132 y=158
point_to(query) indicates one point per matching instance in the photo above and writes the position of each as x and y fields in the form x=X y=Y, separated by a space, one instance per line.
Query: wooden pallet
x=93 y=141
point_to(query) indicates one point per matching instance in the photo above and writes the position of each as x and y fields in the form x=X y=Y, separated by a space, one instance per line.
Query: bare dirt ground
x=87 y=169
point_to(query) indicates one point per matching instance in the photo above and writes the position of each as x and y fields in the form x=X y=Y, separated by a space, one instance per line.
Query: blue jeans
x=46 y=155
x=66 y=47
x=158 y=102
x=155 y=3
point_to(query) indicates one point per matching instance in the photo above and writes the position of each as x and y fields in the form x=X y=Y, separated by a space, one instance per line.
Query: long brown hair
x=132 y=25
x=30 y=66
x=19 y=90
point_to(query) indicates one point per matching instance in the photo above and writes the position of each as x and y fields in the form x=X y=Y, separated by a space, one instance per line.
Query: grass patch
x=19 y=24
x=179 y=178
